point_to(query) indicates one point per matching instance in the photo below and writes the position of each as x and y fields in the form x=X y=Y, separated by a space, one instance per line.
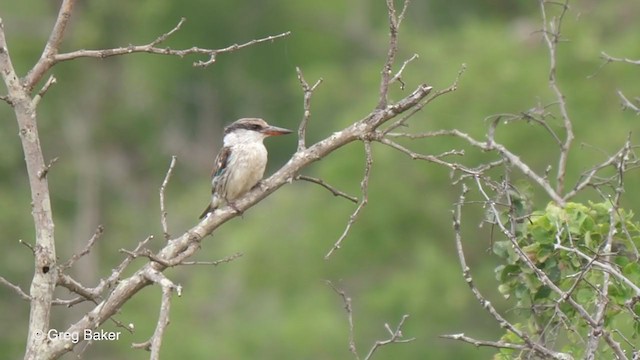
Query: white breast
x=246 y=167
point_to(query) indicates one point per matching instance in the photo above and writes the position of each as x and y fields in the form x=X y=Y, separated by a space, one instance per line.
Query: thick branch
x=44 y=278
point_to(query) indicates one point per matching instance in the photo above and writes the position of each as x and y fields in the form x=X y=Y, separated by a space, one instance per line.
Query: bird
x=240 y=164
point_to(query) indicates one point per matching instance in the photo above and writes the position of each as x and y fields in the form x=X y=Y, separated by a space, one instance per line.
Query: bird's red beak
x=274 y=130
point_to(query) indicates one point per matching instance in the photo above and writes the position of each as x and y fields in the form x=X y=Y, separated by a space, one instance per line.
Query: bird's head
x=249 y=130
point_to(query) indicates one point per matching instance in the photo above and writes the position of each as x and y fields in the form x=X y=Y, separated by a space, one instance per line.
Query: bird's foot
x=235 y=208
x=260 y=185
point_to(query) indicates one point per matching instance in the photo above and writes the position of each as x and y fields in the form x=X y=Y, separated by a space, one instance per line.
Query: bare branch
x=395 y=337
x=168 y=287
x=6 y=99
x=609 y=58
x=163 y=210
x=45 y=170
x=436 y=159
x=224 y=260
x=308 y=92
x=15 y=288
x=551 y=35
x=587 y=177
x=398 y=76
x=333 y=190
x=364 y=186
x=347 y=306
x=627 y=104
x=47 y=59
x=152 y=48
x=74 y=286
x=385 y=75
x=29 y=246
x=75 y=257
x=479 y=343
x=402 y=121
x=490 y=145
x=213 y=53
x=52 y=80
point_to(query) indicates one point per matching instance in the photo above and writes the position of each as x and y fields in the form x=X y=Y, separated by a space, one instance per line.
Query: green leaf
x=542 y=293
x=585 y=296
x=509 y=272
x=501 y=248
x=505 y=290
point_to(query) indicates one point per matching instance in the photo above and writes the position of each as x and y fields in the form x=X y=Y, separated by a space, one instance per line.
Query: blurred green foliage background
x=115 y=123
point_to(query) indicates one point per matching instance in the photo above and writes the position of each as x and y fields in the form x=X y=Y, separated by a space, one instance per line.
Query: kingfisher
x=241 y=162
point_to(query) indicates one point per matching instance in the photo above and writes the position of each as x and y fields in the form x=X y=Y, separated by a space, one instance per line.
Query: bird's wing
x=221 y=162
x=220 y=166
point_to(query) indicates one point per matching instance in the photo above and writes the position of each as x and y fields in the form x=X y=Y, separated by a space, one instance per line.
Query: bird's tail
x=206 y=211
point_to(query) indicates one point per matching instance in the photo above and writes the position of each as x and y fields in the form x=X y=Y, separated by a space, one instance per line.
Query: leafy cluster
x=564 y=247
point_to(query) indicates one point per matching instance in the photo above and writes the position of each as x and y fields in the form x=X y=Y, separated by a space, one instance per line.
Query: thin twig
x=33 y=251
x=551 y=34
x=224 y=260
x=436 y=159
x=587 y=177
x=398 y=76
x=364 y=187
x=6 y=99
x=308 y=93
x=47 y=59
x=15 y=288
x=627 y=104
x=168 y=287
x=347 y=307
x=609 y=58
x=490 y=145
x=395 y=337
x=36 y=99
x=153 y=49
x=163 y=209
x=42 y=173
x=479 y=343
x=402 y=121
x=394 y=24
x=75 y=257
x=333 y=190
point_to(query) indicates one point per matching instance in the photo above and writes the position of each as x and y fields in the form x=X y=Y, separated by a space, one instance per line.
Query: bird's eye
x=255 y=127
